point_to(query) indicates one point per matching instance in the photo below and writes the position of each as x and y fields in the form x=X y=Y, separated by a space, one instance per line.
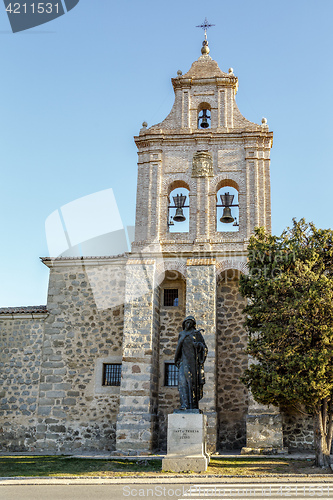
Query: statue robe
x=190 y=356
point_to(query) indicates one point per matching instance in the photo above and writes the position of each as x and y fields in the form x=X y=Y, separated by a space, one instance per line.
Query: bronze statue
x=190 y=356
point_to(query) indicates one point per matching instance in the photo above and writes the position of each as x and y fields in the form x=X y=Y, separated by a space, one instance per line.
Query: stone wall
x=171 y=319
x=201 y=303
x=232 y=400
x=21 y=339
x=51 y=359
x=83 y=329
x=297 y=431
x=137 y=418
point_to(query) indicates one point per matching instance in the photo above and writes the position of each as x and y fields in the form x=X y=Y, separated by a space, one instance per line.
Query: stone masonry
x=232 y=399
x=21 y=334
x=171 y=319
x=137 y=417
x=201 y=281
x=73 y=411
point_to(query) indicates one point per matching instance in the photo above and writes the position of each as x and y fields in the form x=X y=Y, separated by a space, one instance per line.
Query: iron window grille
x=170 y=374
x=111 y=374
x=171 y=297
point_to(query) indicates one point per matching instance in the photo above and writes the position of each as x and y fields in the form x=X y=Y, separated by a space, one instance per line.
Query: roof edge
x=23 y=310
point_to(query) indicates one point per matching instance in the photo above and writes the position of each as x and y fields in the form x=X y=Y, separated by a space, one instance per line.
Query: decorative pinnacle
x=205 y=25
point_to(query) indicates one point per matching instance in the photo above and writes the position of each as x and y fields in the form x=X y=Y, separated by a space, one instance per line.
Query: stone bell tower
x=178 y=152
x=202 y=147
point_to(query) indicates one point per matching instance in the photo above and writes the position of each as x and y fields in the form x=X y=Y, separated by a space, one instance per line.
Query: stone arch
x=178 y=184
x=204 y=105
x=198 y=103
x=230 y=179
x=226 y=182
x=177 y=267
x=173 y=181
x=231 y=264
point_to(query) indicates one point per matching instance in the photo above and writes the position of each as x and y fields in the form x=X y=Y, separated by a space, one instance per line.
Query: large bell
x=226 y=216
x=204 y=119
x=179 y=216
x=204 y=122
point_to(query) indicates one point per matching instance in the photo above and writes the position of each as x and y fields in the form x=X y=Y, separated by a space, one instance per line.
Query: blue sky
x=75 y=91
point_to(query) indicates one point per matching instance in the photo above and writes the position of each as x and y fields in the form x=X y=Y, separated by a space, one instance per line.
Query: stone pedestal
x=186 y=443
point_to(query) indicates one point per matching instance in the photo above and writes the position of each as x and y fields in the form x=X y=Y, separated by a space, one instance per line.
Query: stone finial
x=231 y=71
x=179 y=72
x=144 y=128
x=205 y=49
x=264 y=124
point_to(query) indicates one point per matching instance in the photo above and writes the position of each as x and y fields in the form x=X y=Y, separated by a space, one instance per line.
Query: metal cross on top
x=205 y=25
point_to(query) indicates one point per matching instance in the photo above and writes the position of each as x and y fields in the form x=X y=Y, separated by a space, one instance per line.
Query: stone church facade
x=93 y=369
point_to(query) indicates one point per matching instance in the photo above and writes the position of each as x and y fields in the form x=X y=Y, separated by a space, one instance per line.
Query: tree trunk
x=322 y=437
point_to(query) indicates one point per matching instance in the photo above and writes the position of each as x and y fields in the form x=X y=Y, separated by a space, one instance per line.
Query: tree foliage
x=289 y=317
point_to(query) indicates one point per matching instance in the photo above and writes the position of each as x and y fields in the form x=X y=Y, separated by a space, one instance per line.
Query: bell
x=204 y=123
x=179 y=216
x=204 y=119
x=226 y=216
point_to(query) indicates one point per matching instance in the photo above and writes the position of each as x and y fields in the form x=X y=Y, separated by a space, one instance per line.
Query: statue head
x=189 y=318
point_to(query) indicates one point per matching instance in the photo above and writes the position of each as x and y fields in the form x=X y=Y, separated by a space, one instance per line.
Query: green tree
x=289 y=318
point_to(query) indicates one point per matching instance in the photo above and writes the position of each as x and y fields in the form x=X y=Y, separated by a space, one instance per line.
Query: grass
x=64 y=466
x=255 y=466
x=60 y=466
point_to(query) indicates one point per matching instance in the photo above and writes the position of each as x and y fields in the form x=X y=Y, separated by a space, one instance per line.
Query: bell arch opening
x=178 y=207
x=227 y=206
x=204 y=116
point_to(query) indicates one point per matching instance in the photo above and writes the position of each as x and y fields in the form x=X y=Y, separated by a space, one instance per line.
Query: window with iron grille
x=170 y=374
x=171 y=297
x=111 y=373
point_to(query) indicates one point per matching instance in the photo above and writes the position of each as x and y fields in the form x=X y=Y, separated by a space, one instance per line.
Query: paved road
x=230 y=490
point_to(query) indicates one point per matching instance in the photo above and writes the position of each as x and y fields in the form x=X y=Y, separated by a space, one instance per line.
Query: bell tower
x=203 y=186
x=203 y=146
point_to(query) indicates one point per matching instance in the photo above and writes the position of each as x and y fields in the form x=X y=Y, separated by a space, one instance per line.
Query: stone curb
x=290 y=456
x=268 y=478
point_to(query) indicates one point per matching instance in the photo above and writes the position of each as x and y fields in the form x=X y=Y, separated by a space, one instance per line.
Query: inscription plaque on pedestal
x=186 y=443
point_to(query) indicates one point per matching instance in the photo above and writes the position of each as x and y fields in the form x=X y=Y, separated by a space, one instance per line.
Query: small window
x=111 y=373
x=170 y=374
x=171 y=297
